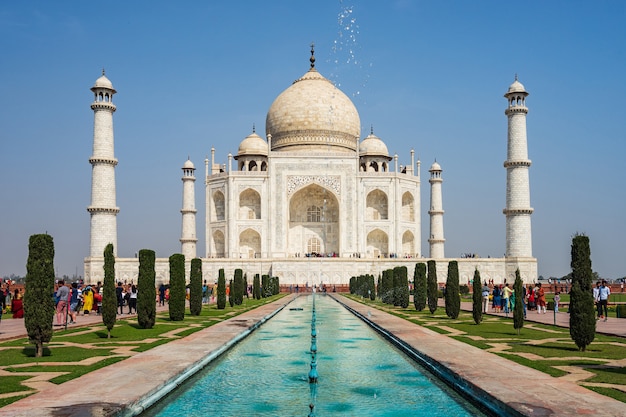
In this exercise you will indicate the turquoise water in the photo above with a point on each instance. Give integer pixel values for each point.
(360, 374)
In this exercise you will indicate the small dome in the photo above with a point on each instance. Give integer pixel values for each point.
(252, 145)
(372, 145)
(435, 167)
(188, 165)
(103, 82)
(516, 87)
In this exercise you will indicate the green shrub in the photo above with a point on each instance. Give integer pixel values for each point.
(221, 290)
(453, 296)
(177, 287)
(236, 289)
(432, 290)
(419, 286)
(146, 290)
(195, 287)
(109, 298)
(518, 308)
(477, 298)
(256, 287)
(38, 301)
(582, 321)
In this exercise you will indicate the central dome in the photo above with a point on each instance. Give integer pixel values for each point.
(313, 115)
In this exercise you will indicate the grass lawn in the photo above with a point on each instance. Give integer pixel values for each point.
(72, 346)
(557, 350)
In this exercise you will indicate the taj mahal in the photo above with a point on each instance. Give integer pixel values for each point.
(310, 201)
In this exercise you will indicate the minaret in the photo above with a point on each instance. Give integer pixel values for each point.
(518, 210)
(436, 213)
(188, 238)
(103, 208)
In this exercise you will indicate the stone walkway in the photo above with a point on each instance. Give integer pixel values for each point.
(126, 384)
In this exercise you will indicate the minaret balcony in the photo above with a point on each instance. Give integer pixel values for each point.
(516, 211)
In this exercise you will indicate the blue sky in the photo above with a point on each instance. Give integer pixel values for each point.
(428, 75)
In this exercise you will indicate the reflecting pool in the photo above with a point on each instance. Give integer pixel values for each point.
(360, 373)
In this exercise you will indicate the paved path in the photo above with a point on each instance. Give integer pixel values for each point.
(613, 326)
(11, 328)
(125, 384)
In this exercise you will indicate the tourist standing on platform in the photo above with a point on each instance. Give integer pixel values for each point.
(62, 295)
(132, 301)
(485, 294)
(87, 300)
(73, 303)
(540, 296)
(497, 299)
(17, 308)
(557, 300)
(596, 298)
(120, 296)
(531, 298)
(205, 293)
(162, 294)
(603, 300)
(506, 298)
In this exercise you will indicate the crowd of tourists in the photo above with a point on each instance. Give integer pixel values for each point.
(503, 298)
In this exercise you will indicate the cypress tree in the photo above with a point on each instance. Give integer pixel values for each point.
(397, 283)
(403, 288)
(453, 296)
(221, 290)
(266, 291)
(518, 309)
(372, 288)
(477, 298)
(256, 287)
(109, 298)
(387, 287)
(236, 290)
(38, 296)
(195, 287)
(231, 299)
(146, 290)
(419, 286)
(431, 288)
(177, 287)
(582, 320)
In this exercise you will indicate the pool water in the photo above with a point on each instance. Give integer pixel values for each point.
(360, 374)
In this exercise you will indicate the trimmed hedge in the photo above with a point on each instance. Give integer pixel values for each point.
(38, 301)
(221, 290)
(177, 287)
(146, 290)
(195, 287)
(109, 298)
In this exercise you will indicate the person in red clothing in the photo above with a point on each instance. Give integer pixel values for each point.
(17, 307)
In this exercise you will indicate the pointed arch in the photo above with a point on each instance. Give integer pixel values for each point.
(408, 244)
(377, 243)
(314, 214)
(250, 244)
(249, 205)
(376, 206)
(218, 210)
(408, 207)
(219, 244)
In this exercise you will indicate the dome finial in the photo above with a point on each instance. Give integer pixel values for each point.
(516, 76)
(253, 128)
(371, 129)
(312, 59)
(102, 70)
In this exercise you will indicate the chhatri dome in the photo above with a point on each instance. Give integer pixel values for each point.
(516, 87)
(104, 82)
(252, 144)
(372, 145)
(313, 115)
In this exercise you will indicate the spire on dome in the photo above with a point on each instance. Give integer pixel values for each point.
(371, 129)
(253, 128)
(102, 70)
(312, 59)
